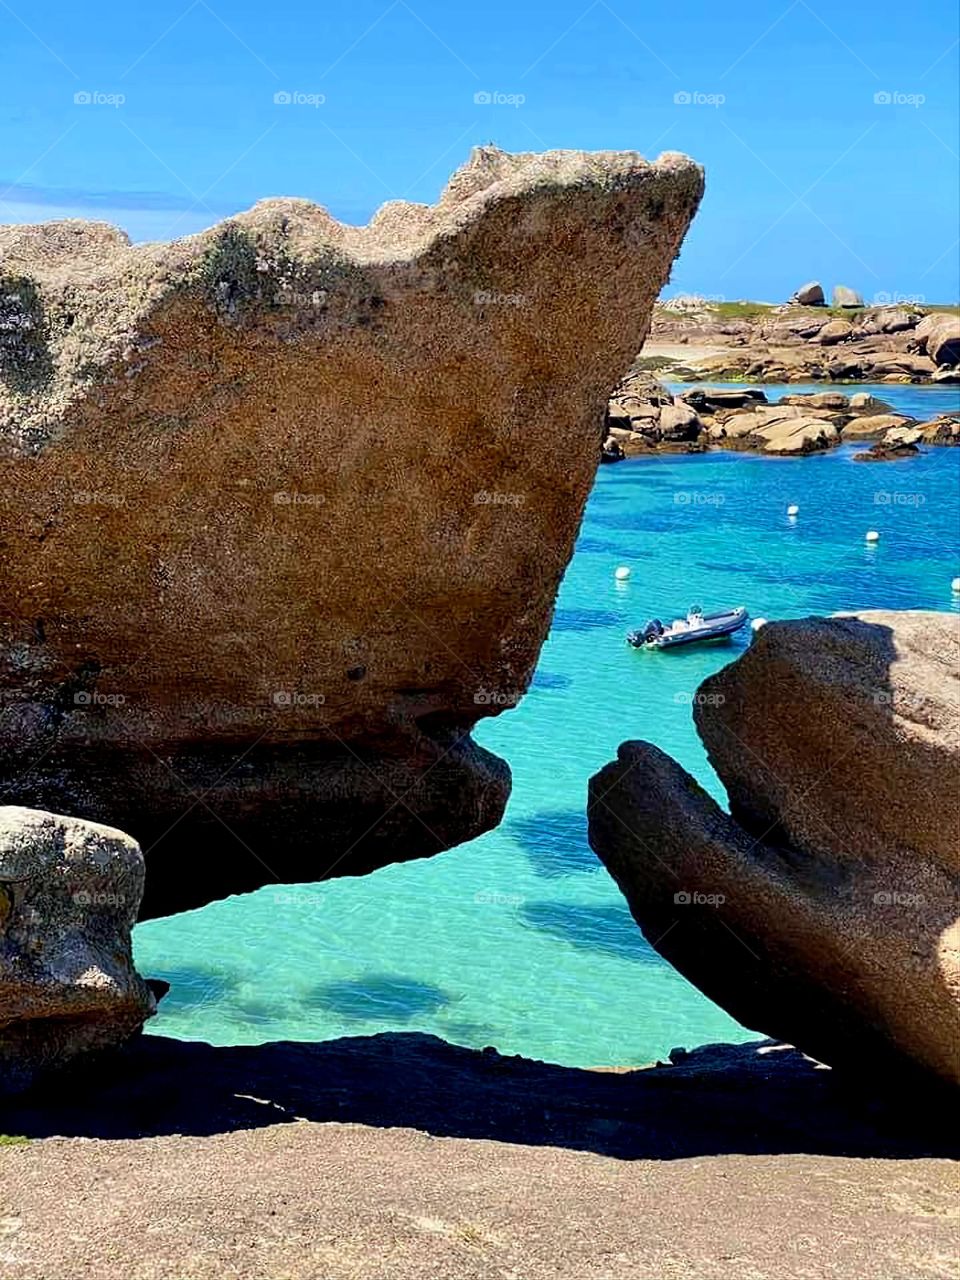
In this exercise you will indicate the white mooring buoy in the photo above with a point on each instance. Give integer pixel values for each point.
(622, 574)
(792, 509)
(757, 623)
(955, 586)
(872, 535)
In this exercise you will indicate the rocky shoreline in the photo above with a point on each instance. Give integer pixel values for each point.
(692, 339)
(644, 417)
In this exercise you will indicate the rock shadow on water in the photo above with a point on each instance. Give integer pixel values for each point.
(551, 681)
(378, 997)
(555, 843)
(192, 986)
(646, 477)
(645, 522)
(598, 547)
(580, 620)
(609, 930)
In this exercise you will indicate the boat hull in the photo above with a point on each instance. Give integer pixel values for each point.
(713, 626)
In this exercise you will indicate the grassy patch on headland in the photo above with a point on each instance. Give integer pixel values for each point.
(739, 310)
(652, 364)
(13, 1140)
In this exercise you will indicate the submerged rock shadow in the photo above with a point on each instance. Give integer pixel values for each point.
(585, 619)
(609, 930)
(555, 843)
(379, 997)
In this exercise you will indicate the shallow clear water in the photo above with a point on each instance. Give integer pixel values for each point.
(520, 939)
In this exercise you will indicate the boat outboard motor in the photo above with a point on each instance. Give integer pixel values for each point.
(650, 632)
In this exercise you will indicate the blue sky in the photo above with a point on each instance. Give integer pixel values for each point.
(829, 132)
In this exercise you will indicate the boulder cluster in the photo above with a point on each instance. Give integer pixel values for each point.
(811, 295)
(644, 416)
(808, 342)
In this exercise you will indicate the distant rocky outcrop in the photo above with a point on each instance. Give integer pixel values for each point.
(69, 894)
(272, 527)
(797, 342)
(824, 910)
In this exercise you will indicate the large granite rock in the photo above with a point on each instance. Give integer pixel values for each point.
(779, 429)
(875, 424)
(824, 910)
(810, 294)
(833, 332)
(273, 535)
(844, 296)
(69, 893)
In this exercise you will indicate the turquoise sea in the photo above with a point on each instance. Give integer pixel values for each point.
(520, 939)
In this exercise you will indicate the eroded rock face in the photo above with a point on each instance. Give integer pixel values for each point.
(69, 893)
(274, 538)
(824, 911)
(939, 336)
